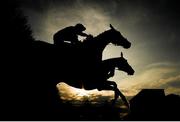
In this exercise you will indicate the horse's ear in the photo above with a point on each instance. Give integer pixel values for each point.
(112, 27)
(121, 54)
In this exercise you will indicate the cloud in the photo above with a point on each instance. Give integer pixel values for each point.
(69, 93)
(162, 65)
(158, 75)
(175, 83)
(58, 16)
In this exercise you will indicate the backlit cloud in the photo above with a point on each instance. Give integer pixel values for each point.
(154, 76)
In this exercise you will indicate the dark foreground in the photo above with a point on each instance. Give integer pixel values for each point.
(88, 111)
(148, 104)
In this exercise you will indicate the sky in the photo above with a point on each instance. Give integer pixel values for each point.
(152, 26)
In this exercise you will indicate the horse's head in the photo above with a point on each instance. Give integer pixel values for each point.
(123, 65)
(118, 39)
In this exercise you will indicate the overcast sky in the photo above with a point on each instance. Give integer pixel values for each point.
(152, 26)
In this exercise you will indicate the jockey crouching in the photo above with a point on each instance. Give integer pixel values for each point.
(70, 35)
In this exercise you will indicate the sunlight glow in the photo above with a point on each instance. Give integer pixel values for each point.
(67, 92)
(81, 92)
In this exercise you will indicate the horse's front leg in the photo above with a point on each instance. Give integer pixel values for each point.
(118, 93)
(123, 98)
(109, 85)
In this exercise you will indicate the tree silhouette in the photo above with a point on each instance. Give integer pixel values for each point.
(15, 77)
(17, 29)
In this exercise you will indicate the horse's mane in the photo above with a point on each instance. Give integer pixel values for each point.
(116, 58)
(96, 37)
(102, 33)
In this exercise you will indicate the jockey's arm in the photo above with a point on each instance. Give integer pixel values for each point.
(74, 41)
(83, 34)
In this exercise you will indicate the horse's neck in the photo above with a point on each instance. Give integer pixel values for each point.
(97, 44)
(102, 40)
(109, 64)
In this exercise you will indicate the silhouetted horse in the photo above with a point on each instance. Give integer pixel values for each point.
(95, 46)
(88, 55)
(74, 65)
(100, 79)
(109, 66)
(75, 62)
(90, 51)
(108, 70)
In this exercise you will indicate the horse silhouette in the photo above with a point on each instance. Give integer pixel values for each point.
(107, 70)
(76, 65)
(77, 59)
(110, 65)
(72, 62)
(96, 45)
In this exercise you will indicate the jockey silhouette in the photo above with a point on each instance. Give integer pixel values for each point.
(69, 34)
